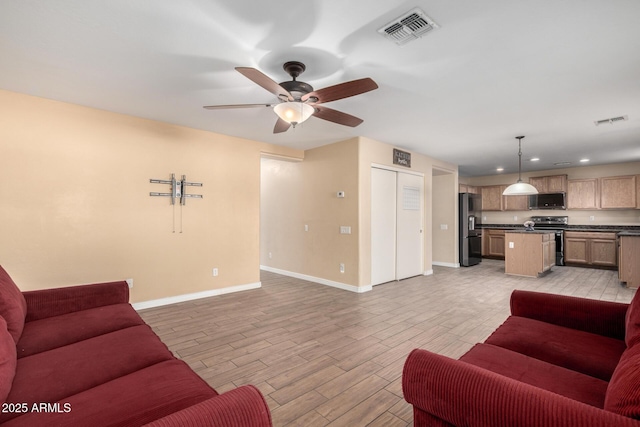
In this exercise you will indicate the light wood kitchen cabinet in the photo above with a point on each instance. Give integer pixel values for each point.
(465, 188)
(629, 271)
(492, 199)
(598, 249)
(493, 243)
(582, 193)
(516, 203)
(549, 184)
(618, 192)
(529, 253)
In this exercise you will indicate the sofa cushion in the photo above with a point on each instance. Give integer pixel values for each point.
(623, 393)
(632, 330)
(13, 307)
(568, 383)
(7, 360)
(584, 352)
(53, 332)
(74, 368)
(135, 399)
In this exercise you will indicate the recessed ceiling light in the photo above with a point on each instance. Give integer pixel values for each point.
(500, 169)
(535, 159)
(584, 160)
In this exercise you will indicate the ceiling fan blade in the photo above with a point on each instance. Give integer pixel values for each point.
(281, 126)
(336, 116)
(223, 107)
(340, 91)
(261, 79)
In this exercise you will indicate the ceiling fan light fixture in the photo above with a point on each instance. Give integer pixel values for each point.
(520, 188)
(294, 112)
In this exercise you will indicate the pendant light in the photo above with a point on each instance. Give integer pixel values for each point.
(520, 188)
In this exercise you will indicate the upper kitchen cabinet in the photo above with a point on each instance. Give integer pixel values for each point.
(582, 193)
(516, 203)
(549, 184)
(465, 188)
(618, 192)
(492, 197)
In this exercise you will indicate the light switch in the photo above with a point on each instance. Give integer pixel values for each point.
(511, 245)
(345, 229)
(444, 227)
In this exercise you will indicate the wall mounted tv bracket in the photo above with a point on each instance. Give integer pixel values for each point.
(178, 191)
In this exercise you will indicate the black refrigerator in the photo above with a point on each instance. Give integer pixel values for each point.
(470, 235)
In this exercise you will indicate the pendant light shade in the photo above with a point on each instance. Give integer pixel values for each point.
(520, 188)
(294, 112)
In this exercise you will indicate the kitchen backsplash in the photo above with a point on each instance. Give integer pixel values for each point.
(576, 217)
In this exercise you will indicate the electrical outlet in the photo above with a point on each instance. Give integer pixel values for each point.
(592, 218)
(306, 227)
(515, 217)
(345, 229)
(270, 256)
(444, 226)
(341, 268)
(511, 245)
(215, 272)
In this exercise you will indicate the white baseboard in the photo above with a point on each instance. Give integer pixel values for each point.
(343, 286)
(196, 295)
(428, 273)
(446, 264)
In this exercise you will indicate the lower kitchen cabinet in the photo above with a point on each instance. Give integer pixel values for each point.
(629, 271)
(529, 254)
(598, 249)
(493, 243)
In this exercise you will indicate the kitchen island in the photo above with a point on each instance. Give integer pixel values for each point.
(629, 268)
(529, 253)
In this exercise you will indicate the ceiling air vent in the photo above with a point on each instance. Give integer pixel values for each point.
(611, 120)
(410, 26)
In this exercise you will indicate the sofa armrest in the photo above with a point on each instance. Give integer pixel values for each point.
(240, 407)
(55, 302)
(461, 394)
(589, 315)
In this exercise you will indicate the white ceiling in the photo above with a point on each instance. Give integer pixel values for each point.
(494, 69)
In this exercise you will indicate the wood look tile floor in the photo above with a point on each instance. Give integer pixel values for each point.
(324, 356)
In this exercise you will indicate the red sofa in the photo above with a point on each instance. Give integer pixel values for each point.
(556, 361)
(82, 356)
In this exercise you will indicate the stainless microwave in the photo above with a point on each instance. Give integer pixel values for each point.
(548, 201)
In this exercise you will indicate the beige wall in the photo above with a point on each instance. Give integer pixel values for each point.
(305, 193)
(75, 205)
(445, 215)
(576, 217)
(295, 194)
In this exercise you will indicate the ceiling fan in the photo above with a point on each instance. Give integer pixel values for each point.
(297, 101)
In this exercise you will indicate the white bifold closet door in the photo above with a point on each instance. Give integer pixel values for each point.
(397, 201)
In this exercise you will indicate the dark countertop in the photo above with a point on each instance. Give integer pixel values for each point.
(629, 233)
(523, 231)
(610, 228)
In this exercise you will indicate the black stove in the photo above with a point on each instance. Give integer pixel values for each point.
(550, 222)
(558, 225)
